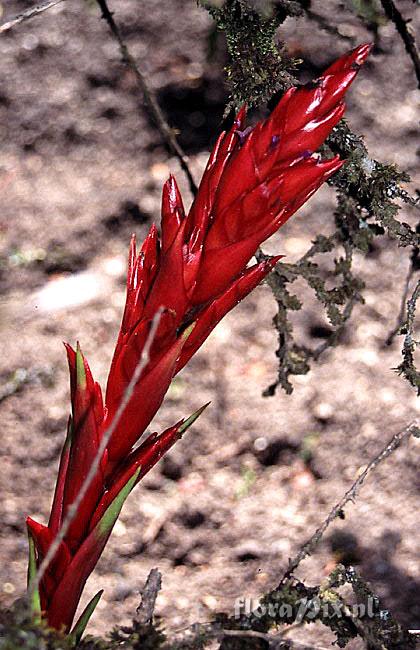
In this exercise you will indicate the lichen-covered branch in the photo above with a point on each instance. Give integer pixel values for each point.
(257, 66)
(369, 192)
(407, 367)
(414, 267)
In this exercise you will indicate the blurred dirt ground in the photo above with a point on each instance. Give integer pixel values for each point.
(81, 167)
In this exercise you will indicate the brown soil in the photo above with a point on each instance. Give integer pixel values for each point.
(81, 167)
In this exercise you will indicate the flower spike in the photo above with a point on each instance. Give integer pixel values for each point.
(193, 274)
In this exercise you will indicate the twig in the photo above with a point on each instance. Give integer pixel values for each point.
(401, 314)
(294, 359)
(407, 367)
(29, 13)
(275, 641)
(149, 594)
(405, 32)
(350, 495)
(252, 634)
(323, 23)
(335, 334)
(73, 508)
(165, 130)
(212, 630)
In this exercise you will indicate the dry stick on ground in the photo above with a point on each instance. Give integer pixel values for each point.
(73, 508)
(350, 495)
(406, 33)
(274, 641)
(29, 13)
(401, 314)
(149, 594)
(165, 130)
(212, 629)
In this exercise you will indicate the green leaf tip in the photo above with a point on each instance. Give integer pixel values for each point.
(85, 616)
(110, 515)
(190, 421)
(80, 368)
(34, 598)
(185, 334)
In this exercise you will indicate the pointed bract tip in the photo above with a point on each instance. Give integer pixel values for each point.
(273, 260)
(110, 516)
(80, 368)
(32, 525)
(69, 348)
(33, 591)
(133, 244)
(190, 421)
(362, 52)
(334, 164)
(79, 629)
(241, 116)
(185, 334)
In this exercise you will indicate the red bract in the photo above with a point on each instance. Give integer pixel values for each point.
(196, 271)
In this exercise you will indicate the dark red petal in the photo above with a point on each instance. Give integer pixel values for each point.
(298, 125)
(320, 97)
(218, 308)
(57, 504)
(168, 288)
(43, 538)
(145, 401)
(355, 58)
(221, 266)
(142, 270)
(172, 212)
(145, 456)
(199, 216)
(306, 175)
(85, 438)
(309, 138)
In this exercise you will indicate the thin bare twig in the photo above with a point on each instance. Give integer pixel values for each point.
(335, 334)
(274, 640)
(324, 24)
(406, 33)
(350, 495)
(165, 130)
(29, 13)
(401, 314)
(73, 508)
(149, 594)
(212, 630)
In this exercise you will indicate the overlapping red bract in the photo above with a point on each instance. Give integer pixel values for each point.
(197, 271)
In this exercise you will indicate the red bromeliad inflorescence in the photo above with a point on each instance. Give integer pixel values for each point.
(196, 271)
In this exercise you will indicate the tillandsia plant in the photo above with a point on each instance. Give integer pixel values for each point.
(192, 275)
